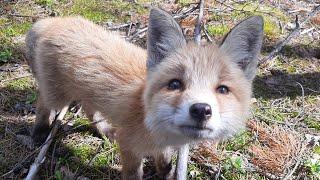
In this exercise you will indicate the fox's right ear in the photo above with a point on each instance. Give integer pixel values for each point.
(164, 36)
(243, 44)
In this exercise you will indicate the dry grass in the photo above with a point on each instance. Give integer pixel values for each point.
(277, 149)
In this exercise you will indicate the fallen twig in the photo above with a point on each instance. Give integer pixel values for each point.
(186, 12)
(293, 33)
(207, 34)
(197, 31)
(119, 26)
(34, 168)
(137, 34)
(22, 163)
(182, 162)
(20, 15)
(143, 30)
(302, 112)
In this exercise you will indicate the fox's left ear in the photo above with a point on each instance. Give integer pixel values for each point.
(243, 44)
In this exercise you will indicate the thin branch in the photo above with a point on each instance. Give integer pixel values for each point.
(143, 30)
(21, 164)
(197, 31)
(182, 164)
(34, 168)
(119, 26)
(293, 33)
(186, 12)
(207, 34)
(302, 111)
(137, 34)
(20, 15)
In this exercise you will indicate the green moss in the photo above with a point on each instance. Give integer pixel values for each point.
(20, 84)
(184, 2)
(291, 69)
(103, 11)
(218, 30)
(271, 114)
(81, 122)
(271, 29)
(82, 151)
(48, 3)
(8, 31)
(108, 155)
(103, 159)
(316, 150)
(16, 29)
(239, 142)
(312, 123)
(91, 9)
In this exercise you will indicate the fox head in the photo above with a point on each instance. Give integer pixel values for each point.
(198, 92)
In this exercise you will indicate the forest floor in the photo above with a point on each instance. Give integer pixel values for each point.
(283, 132)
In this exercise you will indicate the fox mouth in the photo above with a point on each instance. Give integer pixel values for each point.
(195, 131)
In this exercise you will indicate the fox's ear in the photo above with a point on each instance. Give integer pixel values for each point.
(164, 36)
(243, 44)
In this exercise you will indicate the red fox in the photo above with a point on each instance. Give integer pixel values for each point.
(172, 94)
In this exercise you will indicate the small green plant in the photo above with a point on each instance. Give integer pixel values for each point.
(47, 3)
(83, 152)
(31, 98)
(312, 123)
(233, 167)
(239, 142)
(84, 122)
(237, 163)
(185, 2)
(5, 55)
(218, 30)
(58, 175)
(21, 84)
(314, 166)
(316, 150)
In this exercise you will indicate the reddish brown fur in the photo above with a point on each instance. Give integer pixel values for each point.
(76, 60)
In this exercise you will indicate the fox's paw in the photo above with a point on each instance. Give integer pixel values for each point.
(40, 134)
(164, 165)
(107, 131)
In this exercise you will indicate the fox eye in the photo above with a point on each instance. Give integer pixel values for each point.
(223, 89)
(174, 84)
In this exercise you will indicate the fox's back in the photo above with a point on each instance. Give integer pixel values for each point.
(73, 58)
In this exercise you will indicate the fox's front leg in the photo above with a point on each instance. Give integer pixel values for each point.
(102, 127)
(164, 164)
(131, 165)
(44, 118)
(131, 162)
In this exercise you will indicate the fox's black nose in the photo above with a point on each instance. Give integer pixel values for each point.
(200, 111)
